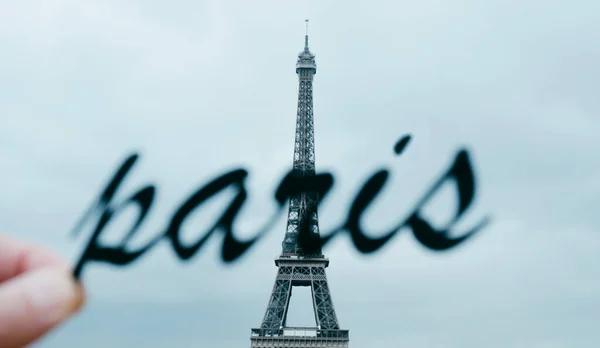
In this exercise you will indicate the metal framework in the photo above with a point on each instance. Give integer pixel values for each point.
(297, 266)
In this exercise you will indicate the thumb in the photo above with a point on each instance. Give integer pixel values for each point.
(35, 302)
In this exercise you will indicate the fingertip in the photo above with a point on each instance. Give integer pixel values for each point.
(80, 296)
(35, 302)
(18, 257)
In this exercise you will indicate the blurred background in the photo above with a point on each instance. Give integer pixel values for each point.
(202, 87)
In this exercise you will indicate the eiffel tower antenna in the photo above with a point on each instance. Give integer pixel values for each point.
(306, 36)
(301, 262)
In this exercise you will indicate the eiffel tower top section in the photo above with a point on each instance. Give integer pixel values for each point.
(302, 234)
(306, 60)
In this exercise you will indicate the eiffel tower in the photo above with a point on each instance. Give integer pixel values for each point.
(299, 264)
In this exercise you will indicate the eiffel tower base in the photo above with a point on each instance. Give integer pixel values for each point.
(300, 271)
(300, 337)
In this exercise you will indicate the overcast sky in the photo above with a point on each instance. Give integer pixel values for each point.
(200, 87)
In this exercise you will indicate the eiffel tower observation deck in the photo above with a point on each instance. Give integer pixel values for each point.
(299, 264)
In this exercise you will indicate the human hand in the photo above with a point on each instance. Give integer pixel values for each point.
(37, 293)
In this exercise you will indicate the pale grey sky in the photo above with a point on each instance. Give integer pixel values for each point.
(199, 87)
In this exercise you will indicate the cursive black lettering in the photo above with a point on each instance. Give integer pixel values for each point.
(232, 247)
(94, 251)
(316, 187)
(462, 173)
(363, 199)
(401, 144)
(365, 196)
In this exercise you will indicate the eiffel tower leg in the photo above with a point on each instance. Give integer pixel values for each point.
(323, 305)
(276, 313)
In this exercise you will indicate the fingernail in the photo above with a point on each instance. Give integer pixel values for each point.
(52, 294)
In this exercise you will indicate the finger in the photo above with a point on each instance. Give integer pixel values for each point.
(35, 302)
(17, 257)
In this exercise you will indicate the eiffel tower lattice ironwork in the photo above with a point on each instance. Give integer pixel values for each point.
(297, 265)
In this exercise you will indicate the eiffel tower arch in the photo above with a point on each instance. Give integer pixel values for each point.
(298, 264)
